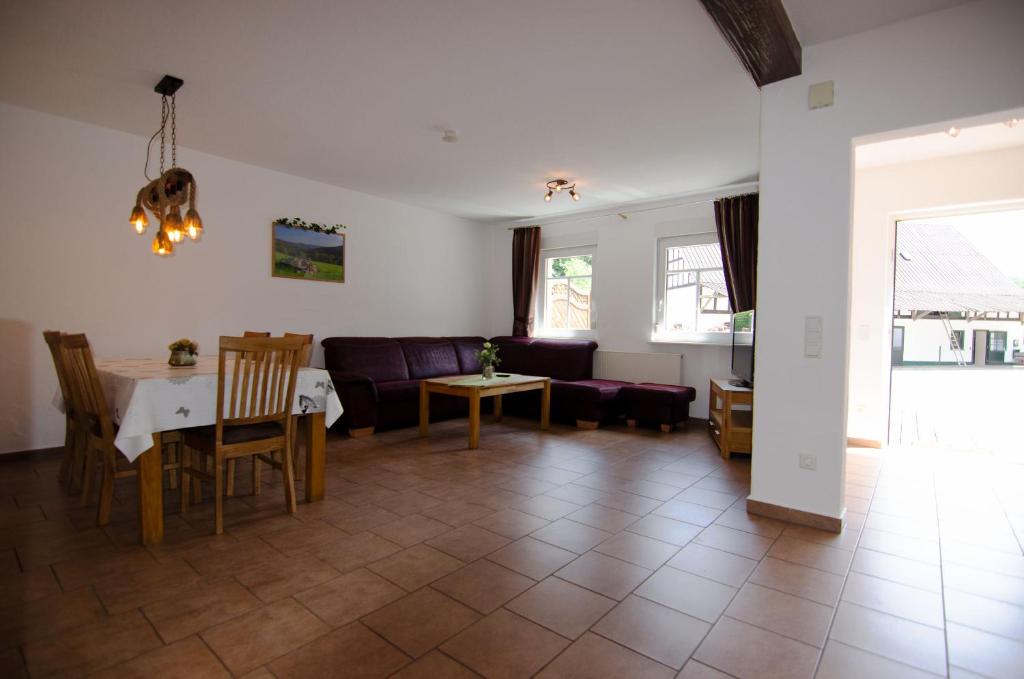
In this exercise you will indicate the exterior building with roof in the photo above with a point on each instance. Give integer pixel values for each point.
(952, 305)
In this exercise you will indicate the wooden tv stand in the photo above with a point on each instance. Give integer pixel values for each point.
(731, 429)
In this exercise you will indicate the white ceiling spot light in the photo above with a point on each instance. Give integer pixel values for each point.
(449, 136)
(953, 131)
(557, 186)
(1013, 122)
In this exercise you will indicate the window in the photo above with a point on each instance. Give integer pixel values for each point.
(692, 301)
(566, 299)
(956, 340)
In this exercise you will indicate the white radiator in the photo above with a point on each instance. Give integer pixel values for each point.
(638, 367)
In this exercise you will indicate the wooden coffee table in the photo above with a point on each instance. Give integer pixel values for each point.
(475, 387)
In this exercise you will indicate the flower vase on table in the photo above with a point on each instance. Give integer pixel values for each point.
(184, 353)
(487, 357)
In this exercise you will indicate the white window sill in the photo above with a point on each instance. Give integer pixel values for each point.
(708, 341)
(553, 335)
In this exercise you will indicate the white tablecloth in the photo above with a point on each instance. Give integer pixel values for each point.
(145, 395)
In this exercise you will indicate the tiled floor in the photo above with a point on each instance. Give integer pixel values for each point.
(568, 554)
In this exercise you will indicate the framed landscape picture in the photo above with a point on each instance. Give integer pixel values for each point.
(308, 251)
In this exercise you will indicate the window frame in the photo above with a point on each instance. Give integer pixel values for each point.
(661, 293)
(540, 326)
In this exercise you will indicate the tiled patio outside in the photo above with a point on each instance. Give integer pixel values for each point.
(587, 554)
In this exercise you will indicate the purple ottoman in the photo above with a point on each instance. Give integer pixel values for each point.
(662, 404)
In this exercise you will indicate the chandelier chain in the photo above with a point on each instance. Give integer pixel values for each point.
(163, 130)
(174, 131)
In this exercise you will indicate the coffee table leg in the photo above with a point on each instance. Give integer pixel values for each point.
(474, 420)
(545, 406)
(424, 409)
(151, 493)
(497, 408)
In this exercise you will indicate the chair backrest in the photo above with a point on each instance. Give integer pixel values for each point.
(87, 396)
(307, 351)
(255, 333)
(52, 338)
(262, 380)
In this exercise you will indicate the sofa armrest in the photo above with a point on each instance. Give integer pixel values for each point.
(358, 396)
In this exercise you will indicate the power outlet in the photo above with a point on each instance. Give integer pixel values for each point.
(809, 462)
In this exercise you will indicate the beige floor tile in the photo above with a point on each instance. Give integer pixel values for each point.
(812, 554)
(905, 546)
(91, 647)
(354, 520)
(304, 537)
(985, 614)
(891, 597)
(511, 523)
(844, 540)
(123, 592)
(665, 529)
(782, 613)
(457, 512)
(258, 637)
(505, 646)
(629, 502)
(895, 568)
(983, 559)
(350, 553)
(984, 653)
(660, 633)
(729, 569)
(277, 579)
(750, 523)
(593, 656)
(420, 621)
(189, 658)
(561, 606)
(984, 583)
(840, 661)
(604, 574)
(570, 535)
(23, 621)
(750, 652)
(735, 541)
(547, 507)
(415, 567)
(353, 650)
(708, 498)
(102, 562)
(689, 512)
(605, 518)
(411, 530)
(349, 597)
(637, 549)
(688, 593)
(483, 585)
(468, 543)
(532, 558)
(211, 602)
(435, 665)
(908, 642)
(696, 670)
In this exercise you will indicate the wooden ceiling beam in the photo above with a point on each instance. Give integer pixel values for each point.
(761, 35)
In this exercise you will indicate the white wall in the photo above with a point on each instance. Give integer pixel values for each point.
(964, 61)
(926, 341)
(881, 194)
(71, 262)
(624, 273)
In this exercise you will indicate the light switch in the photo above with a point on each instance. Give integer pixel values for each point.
(821, 95)
(812, 336)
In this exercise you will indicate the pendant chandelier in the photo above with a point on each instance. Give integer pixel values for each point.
(173, 190)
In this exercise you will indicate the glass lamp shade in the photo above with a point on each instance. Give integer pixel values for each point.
(193, 225)
(138, 219)
(162, 244)
(174, 227)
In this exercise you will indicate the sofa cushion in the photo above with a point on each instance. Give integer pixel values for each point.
(465, 352)
(563, 359)
(515, 355)
(661, 394)
(429, 357)
(399, 390)
(379, 358)
(597, 391)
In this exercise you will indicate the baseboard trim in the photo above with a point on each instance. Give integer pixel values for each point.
(854, 442)
(797, 516)
(19, 455)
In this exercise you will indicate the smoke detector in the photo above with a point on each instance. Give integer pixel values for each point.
(449, 136)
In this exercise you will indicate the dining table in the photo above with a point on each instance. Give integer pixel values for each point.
(147, 397)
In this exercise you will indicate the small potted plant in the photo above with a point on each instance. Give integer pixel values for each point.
(487, 357)
(184, 352)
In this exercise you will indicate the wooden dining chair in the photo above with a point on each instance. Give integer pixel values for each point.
(255, 333)
(71, 463)
(254, 407)
(93, 423)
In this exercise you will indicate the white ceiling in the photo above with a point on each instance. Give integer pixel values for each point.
(633, 100)
(817, 21)
(937, 144)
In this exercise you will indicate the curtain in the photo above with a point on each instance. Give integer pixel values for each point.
(736, 219)
(525, 263)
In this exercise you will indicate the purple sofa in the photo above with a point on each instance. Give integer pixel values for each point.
(377, 378)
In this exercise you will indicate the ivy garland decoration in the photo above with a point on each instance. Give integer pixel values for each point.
(296, 223)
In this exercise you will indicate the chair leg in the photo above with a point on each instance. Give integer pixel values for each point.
(78, 462)
(186, 477)
(69, 452)
(218, 496)
(106, 489)
(297, 459)
(288, 473)
(173, 458)
(88, 476)
(199, 461)
(231, 478)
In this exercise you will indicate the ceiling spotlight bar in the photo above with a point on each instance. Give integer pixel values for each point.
(559, 185)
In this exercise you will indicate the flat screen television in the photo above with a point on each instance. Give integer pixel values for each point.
(743, 348)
